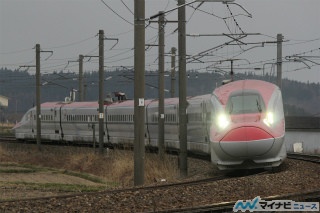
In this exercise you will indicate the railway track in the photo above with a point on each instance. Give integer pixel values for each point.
(192, 196)
(7, 139)
(135, 191)
(228, 206)
(304, 157)
(141, 194)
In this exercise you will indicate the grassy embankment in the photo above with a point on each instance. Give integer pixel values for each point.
(5, 129)
(113, 169)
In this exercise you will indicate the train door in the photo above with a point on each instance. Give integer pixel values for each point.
(207, 109)
(171, 125)
(56, 123)
(151, 121)
(194, 120)
(32, 123)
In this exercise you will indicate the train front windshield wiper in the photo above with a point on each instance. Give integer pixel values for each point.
(258, 105)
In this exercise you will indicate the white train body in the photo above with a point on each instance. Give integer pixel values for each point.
(74, 122)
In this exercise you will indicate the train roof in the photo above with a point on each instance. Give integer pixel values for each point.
(167, 101)
(265, 89)
(130, 103)
(70, 104)
(126, 103)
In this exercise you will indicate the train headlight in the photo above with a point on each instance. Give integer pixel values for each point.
(222, 121)
(268, 120)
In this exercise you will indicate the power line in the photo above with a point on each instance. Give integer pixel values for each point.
(16, 51)
(71, 44)
(127, 7)
(116, 13)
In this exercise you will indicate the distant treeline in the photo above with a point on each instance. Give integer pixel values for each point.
(300, 99)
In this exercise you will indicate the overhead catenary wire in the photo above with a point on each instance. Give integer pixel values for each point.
(117, 14)
(71, 44)
(127, 7)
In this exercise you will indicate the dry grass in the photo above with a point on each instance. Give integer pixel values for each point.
(115, 166)
(5, 129)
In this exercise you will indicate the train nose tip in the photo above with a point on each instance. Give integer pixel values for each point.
(247, 142)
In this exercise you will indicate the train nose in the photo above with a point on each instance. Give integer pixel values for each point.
(246, 142)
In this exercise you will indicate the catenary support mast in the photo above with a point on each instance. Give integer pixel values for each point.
(139, 93)
(161, 115)
(182, 89)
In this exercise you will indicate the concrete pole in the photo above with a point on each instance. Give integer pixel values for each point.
(173, 70)
(38, 95)
(183, 157)
(161, 115)
(80, 77)
(139, 93)
(279, 60)
(101, 95)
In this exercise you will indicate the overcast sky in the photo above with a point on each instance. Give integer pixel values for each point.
(69, 28)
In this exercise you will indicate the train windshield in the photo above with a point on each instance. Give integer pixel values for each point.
(245, 103)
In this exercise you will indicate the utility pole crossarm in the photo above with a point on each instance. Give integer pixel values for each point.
(90, 56)
(223, 34)
(112, 39)
(186, 4)
(26, 66)
(47, 51)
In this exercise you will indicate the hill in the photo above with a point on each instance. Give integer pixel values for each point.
(300, 99)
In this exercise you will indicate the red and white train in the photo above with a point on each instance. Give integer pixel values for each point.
(241, 124)
(249, 127)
